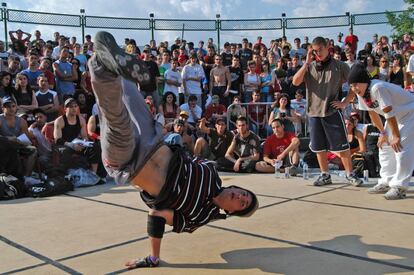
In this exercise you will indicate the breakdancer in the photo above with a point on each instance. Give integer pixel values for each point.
(181, 192)
(396, 142)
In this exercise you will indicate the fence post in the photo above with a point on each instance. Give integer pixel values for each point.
(152, 25)
(4, 14)
(83, 23)
(284, 24)
(352, 21)
(218, 27)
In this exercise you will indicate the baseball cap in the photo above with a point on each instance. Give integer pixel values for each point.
(179, 122)
(69, 101)
(184, 113)
(8, 99)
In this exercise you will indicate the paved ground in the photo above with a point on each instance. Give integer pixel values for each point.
(299, 229)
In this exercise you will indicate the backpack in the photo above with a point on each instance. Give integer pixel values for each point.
(358, 164)
(11, 187)
(53, 186)
(311, 159)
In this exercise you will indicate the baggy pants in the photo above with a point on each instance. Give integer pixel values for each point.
(129, 133)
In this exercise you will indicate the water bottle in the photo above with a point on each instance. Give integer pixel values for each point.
(366, 176)
(277, 166)
(287, 175)
(305, 172)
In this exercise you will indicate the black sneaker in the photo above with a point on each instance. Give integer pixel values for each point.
(323, 179)
(354, 180)
(117, 61)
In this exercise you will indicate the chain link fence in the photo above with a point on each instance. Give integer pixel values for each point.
(152, 24)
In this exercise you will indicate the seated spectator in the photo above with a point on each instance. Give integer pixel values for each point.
(396, 74)
(85, 108)
(235, 111)
(257, 115)
(169, 108)
(33, 71)
(13, 127)
(280, 146)
(18, 41)
(47, 99)
(24, 95)
(372, 67)
(71, 126)
(299, 107)
(44, 147)
(284, 112)
(193, 110)
(219, 140)
(243, 152)
(215, 111)
(6, 88)
(179, 134)
(384, 69)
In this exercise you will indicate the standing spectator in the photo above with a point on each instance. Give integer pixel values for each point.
(326, 123)
(192, 74)
(220, 81)
(65, 75)
(151, 87)
(297, 50)
(90, 44)
(200, 48)
(352, 39)
(226, 55)
(33, 71)
(251, 82)
(396, 71)
(259, 44)
(243, 152)
(176, 45)
(406, 42)
(266, 87)
(306, 43)
(362, 54)
(38, 43)
(245, 54)
(173, 78)
(46, 67)
(18, 42)
(47, 99)
(257, 115)
(236, 74)
(280, 146)
(58, 48)
(80, 56)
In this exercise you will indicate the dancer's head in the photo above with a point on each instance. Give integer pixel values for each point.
(359, 79)
(238, 201)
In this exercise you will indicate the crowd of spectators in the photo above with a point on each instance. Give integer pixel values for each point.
(236, 106)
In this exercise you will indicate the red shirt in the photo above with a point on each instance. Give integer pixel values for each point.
(274, 146)
(218, 109)
(256, 112)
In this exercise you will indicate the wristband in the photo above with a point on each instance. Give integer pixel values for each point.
(383, 133)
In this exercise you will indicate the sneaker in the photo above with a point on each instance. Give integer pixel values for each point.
(395, 193)
(294, 171)
(379, 188)
(117, 61)
(354, 180)
(323, 179)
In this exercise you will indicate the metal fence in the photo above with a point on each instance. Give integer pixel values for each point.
(152, 24)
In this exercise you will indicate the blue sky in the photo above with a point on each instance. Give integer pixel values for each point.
(207, 9)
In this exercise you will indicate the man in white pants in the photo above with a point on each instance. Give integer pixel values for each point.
(396, 142)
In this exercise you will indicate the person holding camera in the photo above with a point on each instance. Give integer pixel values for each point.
(324, 77)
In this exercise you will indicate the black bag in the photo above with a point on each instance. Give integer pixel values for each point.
(11, 187)
(358, 164)
(311, 159)
(51, 187)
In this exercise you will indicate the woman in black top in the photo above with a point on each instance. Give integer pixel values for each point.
(24, 94)
(396, 71)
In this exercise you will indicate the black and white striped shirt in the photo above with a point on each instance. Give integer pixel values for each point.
(189, 190)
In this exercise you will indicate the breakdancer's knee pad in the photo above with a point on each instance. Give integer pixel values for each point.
(155, 226)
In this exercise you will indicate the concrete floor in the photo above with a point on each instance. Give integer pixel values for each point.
(299, 229)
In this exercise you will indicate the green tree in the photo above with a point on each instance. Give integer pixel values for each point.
(402, 22)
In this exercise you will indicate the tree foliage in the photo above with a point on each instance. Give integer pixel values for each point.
(402, 22)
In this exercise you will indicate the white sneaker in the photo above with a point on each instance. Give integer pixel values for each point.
(395, 193)
(379, 188)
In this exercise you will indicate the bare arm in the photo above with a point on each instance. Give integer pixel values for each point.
(300, 75)
(361, 141)
(57, 130)
(203, 127)
(230, 151)
(83, 133)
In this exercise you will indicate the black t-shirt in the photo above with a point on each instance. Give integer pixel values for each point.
(154, 72)
(219, 144)
(245, 55)
(236, 75)
(372, 138)
(227, 58)
(246, 146)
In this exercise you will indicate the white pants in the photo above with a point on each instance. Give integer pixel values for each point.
(397, 168)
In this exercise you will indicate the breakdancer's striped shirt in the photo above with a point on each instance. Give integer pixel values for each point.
(189, 190)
